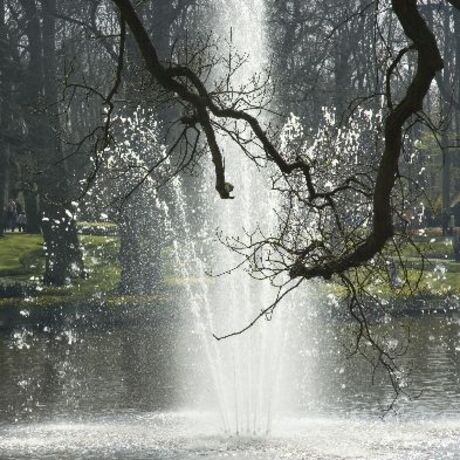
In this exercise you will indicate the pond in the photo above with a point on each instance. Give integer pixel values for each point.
(82, 390)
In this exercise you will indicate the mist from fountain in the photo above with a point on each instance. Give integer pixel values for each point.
(244, 372)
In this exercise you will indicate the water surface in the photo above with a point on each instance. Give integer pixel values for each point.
(72, 392)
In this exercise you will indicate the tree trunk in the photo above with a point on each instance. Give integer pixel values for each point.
(62, 250)
(63, 257)
(140, 225)
(445, 148)
(3, 178)
(4, 104)
(32, 211)
(140, 247)
(456, 92)
(62, 247)
(31, 96)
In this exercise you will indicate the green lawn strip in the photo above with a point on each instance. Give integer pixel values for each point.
(101, 265)
(439, 284)
(20, 254)
(21, 260)
(100, 255)
(430, 284)
(435, 247)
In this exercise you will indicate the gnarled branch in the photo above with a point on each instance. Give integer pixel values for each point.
(190, 89)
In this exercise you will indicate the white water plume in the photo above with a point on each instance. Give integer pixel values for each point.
(243, 371)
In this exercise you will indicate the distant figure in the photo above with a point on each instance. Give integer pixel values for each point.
(21, 221)
(11, 215)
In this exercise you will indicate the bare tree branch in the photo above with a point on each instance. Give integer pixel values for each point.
(189, 88)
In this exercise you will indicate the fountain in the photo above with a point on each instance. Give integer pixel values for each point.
(244, 371)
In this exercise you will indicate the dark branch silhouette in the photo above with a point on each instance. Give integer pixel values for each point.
(183, 82)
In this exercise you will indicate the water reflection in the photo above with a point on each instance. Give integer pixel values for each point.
(80, 370)
(86, 370)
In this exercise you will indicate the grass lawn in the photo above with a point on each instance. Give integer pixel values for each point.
(21, 255)
(433, 247)
(22, 263)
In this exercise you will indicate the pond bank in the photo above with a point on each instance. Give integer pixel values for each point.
(25, 301)
(116, 310)
(94, 313)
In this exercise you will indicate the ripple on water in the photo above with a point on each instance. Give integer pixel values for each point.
(193, 436)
